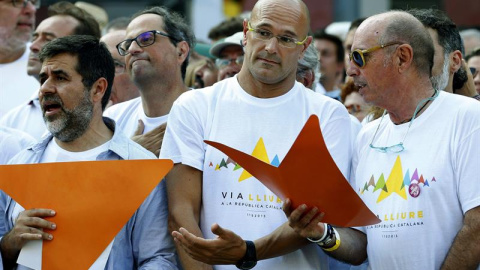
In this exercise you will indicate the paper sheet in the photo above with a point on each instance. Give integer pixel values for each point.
(93, 200)
(308, 175)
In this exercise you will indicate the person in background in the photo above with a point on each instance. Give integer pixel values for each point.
(473, 61)
(229, 55)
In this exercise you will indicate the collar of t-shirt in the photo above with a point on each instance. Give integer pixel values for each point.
(152, 122)
(54, 153)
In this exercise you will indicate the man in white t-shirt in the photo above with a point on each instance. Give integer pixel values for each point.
(64, 19)
(76, 76)
(416, 167)
(156, 50)
(17, 19)
(260, 111)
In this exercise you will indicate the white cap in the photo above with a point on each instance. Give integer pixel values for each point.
(234, 39)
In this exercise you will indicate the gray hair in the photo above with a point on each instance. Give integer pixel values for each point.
(309, 60)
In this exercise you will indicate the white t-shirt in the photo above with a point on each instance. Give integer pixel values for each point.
(127, 114)
(27, 117)
(264, 128)
(16, 86)
(54, 153)
(422, 193)
(12, 141)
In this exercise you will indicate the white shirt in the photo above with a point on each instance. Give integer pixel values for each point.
(16, 86)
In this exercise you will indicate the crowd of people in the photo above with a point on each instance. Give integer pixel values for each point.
(397, 100)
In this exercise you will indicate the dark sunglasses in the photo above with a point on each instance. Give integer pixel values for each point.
(358, 56)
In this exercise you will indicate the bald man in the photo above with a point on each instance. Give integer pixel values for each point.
(262, 108)
(427, 149)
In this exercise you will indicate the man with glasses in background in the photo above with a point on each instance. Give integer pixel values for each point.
(416, 168)
(156, 50)
(123, 89)
(64, 19)
(229, 54)
(260, 111)
(17, 20)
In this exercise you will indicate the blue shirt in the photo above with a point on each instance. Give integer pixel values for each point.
(144, 242)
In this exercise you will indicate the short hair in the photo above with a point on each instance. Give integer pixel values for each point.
(87, 24)
(356, 23)
(335, 40)
(448, 35)
(404, 29)
(176, 27)
(309, 60)
(120, 23)
(94, 61)
(226, 28)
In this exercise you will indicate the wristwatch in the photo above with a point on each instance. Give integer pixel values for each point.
(249, 260)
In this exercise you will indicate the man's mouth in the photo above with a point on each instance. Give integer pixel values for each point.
(50, 108)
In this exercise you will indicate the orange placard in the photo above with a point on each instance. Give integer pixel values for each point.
(308, 175)
(93, 200)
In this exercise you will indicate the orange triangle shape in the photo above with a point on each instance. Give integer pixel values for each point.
(93, 200)
(308, 175)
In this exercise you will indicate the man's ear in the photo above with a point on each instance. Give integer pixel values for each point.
(98, 90)
(182, 51)
(404, 55)
(455, 61)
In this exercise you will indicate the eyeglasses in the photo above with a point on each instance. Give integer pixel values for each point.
(474, 72)
(119, 67)
(223, 62)
(23, 3)
(284, 41)
(397, 148)
(145, 39)
(358, 56)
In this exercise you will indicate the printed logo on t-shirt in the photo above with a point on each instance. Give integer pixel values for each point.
(256, 205)
(260, 152)
(398, 185)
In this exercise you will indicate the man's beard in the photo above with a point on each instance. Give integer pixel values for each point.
(69, 125)
(440, 81)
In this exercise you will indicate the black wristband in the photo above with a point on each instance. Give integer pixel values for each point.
(249, 260)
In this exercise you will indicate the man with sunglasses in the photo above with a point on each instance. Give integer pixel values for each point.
(473, 61)
(261, 111)
(17, 20)
(64, 19)
(156, 50)
(416, 167)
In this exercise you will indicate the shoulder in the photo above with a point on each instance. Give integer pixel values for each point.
(121, 109)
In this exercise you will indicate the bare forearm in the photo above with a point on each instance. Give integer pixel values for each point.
(9, 256)
(280, 242)
(353, 246)
(465, 250)
(174, 224)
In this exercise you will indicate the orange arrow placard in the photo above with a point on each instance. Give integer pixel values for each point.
(308, 175)
(93, 200)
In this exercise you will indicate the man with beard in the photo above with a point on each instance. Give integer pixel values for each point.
(64, 19)
(17, 19)
(76, 77)
(450, 72)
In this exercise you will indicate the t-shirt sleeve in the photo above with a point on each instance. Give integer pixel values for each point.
(467, 162)
(183, 140)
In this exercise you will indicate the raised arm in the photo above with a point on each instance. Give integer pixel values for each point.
(184, 191)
